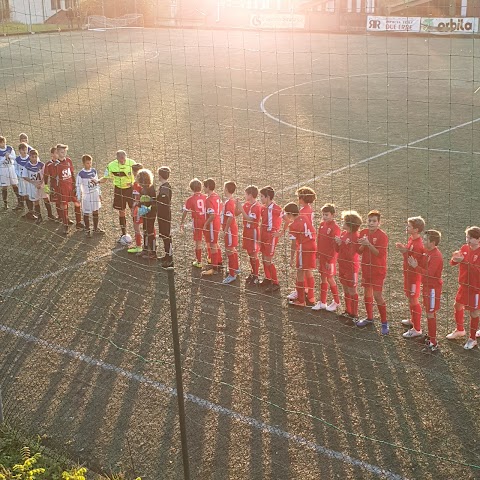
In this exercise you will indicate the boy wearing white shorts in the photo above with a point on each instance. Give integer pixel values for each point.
(33, 174)
(8, 176)
(88, 192)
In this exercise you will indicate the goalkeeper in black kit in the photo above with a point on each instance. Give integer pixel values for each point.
(164, 215)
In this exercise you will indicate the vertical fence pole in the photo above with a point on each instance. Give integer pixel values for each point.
(178, 371)
(1, 407)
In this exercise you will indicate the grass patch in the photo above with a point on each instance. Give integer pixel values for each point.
(21, 457)
(13, 28)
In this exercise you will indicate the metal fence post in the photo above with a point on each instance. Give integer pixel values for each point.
(178, 371)
(1, 407)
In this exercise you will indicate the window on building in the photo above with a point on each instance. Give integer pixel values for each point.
(56, 4)
(69, 4)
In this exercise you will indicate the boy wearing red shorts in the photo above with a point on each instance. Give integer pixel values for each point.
(251, 211)
(411, 278)
(230, 231)
(468, 294)
(299, 226)
(432, 284)
(327, 258)
(373, 248)
(212, 226)
(271, 222)
(348, 262)
(196, 205)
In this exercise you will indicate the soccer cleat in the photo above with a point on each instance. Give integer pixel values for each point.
(29, 216)
(430, 347)
(70, 222)
(167, 261)
(266, 282)
(296, 303)
(292, 295)
(319, 306)
(209, 261)
(197, 264)
(135, 250)
(407, 322)
(412, 333)
(477, 335)
(348, 319)
(53, 218)
(149, 255)
(456, 334)
(65, 230)
(310, 303)
(98, 231)
(39, 220)
(79, 226)
(229, 279)
(18, 208)
(385, 329)
(274, 287)
(5, 206)
(332, 307)
(365, 322)
(209, 272)
(470, 344)
(88, 233)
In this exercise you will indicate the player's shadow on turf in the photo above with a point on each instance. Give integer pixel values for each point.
(266, 367)
(109, 327)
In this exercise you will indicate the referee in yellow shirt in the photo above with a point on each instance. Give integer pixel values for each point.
(123, 179)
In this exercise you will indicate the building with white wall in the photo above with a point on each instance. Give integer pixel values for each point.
(37, 11)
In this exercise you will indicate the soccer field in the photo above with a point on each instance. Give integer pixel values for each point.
(390, 123)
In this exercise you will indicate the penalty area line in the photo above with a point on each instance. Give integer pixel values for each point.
(205, 404)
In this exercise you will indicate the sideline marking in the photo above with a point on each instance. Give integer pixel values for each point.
(252, 422)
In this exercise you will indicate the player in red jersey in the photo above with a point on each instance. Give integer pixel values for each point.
(432, 284)
(212, 226)
(306, 196)
(411, 278)
(196, 205)
(251, 211)
(327, 258)
(269, 233)
(373, 247)
(468, 294)
(50, 182)
(230, 231)
(348, 262)
(301, 228)
(64, 186)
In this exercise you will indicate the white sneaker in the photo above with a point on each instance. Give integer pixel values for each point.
(229, 279)
(456, 334)
(477, 334)
(407, 322)
(293, 295)
(319, 306)
(470, 344)
(412, 333)
(332, 307)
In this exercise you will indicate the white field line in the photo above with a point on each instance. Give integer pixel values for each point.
(56, 273)
(340, 77)
(382, 154)
(213, 407)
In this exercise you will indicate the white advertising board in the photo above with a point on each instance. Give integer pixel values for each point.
(277, 21)
(393, 24)
(450, 26)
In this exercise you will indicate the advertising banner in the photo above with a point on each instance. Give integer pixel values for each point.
(277, 21)
(393, 24)
(449, 26)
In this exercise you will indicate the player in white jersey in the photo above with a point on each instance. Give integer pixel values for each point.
(8, 176)
(88, 192)
(19, 164)
(33, 173)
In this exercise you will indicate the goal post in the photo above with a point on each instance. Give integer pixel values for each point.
(129, 20)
